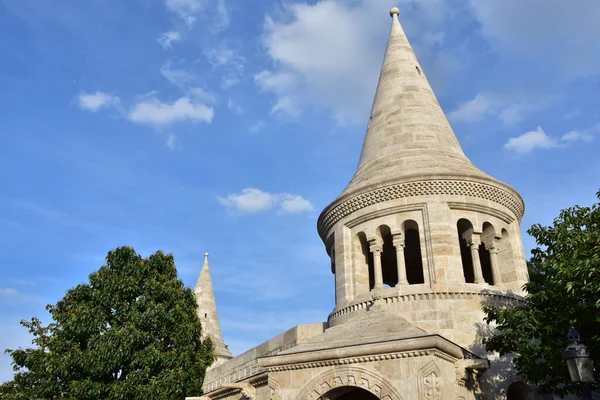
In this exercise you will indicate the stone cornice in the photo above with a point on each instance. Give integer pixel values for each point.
(221, 392)
(455, 205)
(365, 359)
(392, 296)
(363, 353)
(495, 191)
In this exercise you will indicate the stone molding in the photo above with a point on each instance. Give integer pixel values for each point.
(226, 390)
(363, 359)
(456, 205)
(352, 376)
(395, 297)
(449, 187)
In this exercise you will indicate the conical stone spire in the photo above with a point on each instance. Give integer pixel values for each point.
(410, 150)
(207, 311)
(408, 136)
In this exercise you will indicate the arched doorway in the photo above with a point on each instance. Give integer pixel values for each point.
(518, 391)
(348, 393)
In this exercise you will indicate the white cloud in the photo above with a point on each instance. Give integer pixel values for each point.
(257, 127)
(293, 204)
(473, 110)
(188, 82)
(221, 20)
(166, 39)
(154, 112)
(187, 10)
(8, 292)
(539, 139)
(249, 201)
(252, 200)
(328, 54)
(228, 62)
(576, 136)
(508, 108)
(234, 108)
(95, 101)
(535, 29)
(531, 140)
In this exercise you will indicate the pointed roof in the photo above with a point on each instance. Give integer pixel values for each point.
(408, 136)
(207, 311)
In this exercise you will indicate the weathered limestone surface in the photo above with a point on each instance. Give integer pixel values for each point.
(207, 311)
(419, 240)
(245, 366)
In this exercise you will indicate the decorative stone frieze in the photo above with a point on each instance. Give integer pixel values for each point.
(338, 210)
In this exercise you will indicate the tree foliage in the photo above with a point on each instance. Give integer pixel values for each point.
(564, 286)
(132, 332)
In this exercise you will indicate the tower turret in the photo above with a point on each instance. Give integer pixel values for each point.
(207, 311)
(419, 226)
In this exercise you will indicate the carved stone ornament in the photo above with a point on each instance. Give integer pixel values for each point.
(320, 386)
(430, 386)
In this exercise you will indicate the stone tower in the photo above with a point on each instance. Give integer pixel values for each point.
(419, 228)
(419, 240)
(207, 311)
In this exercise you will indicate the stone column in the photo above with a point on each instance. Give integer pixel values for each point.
(493, 249)
(400, 263)
(377, 271)
(474, 246)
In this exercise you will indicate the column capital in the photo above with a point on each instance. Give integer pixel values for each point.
(399, 244)
(375, 246)
(474, 241)
(493, 249)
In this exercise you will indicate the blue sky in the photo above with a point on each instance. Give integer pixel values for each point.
(222, 126)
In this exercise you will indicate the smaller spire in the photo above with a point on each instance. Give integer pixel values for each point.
(207, 311)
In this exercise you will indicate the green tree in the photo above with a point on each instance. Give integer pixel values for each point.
(132, 332)
(564, 286)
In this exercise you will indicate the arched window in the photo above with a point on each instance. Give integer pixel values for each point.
(388, 257)
(412, 253)
(332, 256)
(465, 231)
(484, 254)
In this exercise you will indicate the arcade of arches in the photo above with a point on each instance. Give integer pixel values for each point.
(480, 252)
(394, 259)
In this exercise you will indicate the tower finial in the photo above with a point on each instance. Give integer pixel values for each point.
(394, 11)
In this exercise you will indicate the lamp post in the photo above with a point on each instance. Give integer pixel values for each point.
(579, 362)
